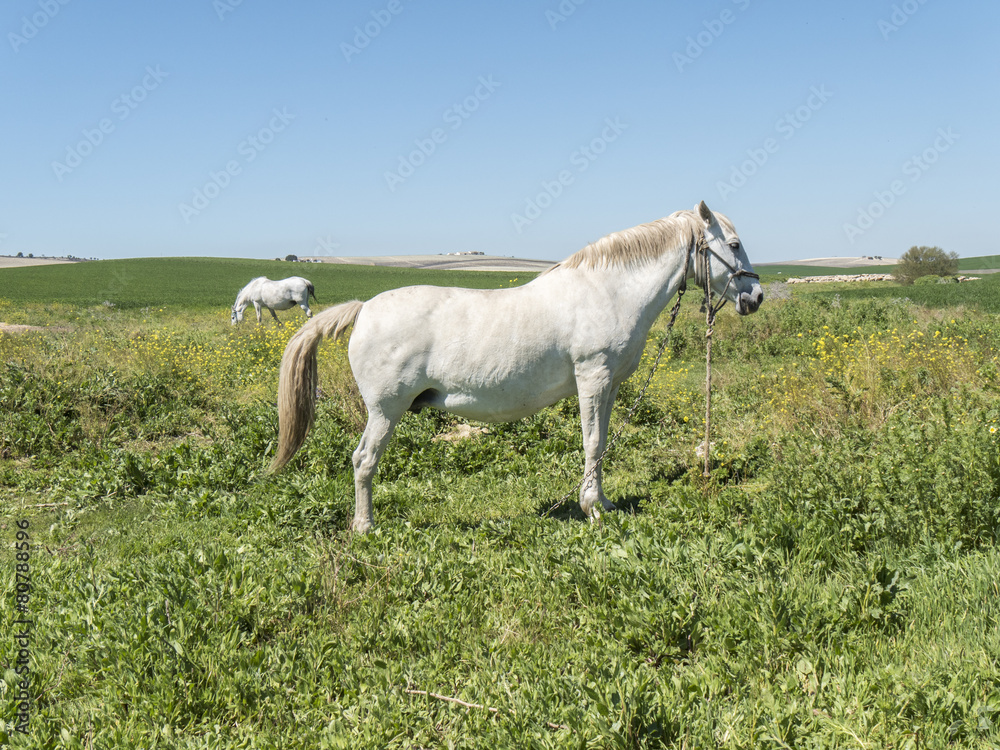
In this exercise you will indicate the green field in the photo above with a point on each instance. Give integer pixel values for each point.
(775, 271)
(984, 262)
(200, 283)
(832, 584)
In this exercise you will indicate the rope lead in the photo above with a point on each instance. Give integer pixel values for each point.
(710, 321)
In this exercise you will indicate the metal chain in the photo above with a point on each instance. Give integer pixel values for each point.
(628, 417)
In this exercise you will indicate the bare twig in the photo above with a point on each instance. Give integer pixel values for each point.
(460, 702)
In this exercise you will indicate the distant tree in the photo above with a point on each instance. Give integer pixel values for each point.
(20, 255)
(31, 255)
(291, 257)
(925, 261)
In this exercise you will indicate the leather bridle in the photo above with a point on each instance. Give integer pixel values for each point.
(699, 255)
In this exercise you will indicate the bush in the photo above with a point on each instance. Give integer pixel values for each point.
(925, 261)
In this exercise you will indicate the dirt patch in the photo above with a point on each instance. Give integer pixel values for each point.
(461, 432)
(7, 261)
(17, 328)
(852, 262)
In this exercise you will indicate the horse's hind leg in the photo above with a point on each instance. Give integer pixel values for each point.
(366, 456)
(597, 396)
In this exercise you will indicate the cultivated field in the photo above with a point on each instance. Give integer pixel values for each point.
(834, 583)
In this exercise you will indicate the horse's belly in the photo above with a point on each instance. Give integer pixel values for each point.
(501, 403)
(495, 379)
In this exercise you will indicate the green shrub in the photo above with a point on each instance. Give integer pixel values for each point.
(927, 477)
(921, 261)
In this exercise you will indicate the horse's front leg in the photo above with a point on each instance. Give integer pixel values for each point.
(597, 396)
(256, 307)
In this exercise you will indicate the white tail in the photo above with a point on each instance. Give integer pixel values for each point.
(298, 379)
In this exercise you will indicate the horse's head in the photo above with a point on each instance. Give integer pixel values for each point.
(721, 261)
(236, 316)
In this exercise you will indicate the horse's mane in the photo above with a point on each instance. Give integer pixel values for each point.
(639, 245)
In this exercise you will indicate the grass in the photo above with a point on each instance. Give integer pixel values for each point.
(202, 283)
(776, 271)
(832, 584)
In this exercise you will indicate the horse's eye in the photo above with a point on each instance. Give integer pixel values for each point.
(734, 246)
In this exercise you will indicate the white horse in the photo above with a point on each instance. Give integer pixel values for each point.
(274, 295)
(500, 355)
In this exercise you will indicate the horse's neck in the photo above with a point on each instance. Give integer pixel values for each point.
(654, 292)
(643, 290)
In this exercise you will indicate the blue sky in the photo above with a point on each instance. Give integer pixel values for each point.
(257, 129)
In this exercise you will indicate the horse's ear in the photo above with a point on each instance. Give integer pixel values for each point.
(706, 213)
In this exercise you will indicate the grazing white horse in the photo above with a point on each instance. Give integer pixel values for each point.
(499, 355)
(274, 295)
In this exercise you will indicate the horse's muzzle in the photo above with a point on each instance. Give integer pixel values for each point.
(748, 302)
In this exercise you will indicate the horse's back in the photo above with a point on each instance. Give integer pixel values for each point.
(453, 315)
